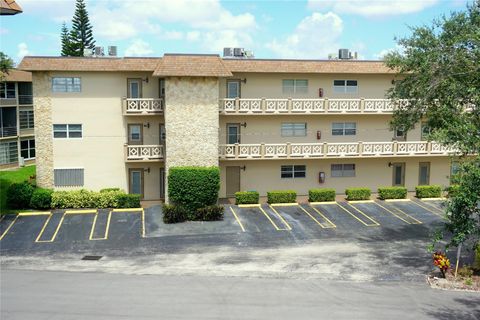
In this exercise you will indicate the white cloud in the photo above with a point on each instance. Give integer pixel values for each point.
(138, 48)
(314, 37)
(172, 35)
(193, 36)
(380, 55)
(22, 50)
(371, 8)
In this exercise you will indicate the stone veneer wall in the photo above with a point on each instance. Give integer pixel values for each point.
(42, 108)
(191, 122)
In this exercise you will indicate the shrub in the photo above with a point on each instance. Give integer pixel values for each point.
(476, 262)
(246, 197)
(392, 193)
(173, 213)
(19, 195)
(319, 195)
(441, 261)
(281, 196)
(428, 191)
(110, 189)
(465, 272)
(358, 193)
(452, 190)
(210, 213)
(193, 187)
(41, 199)
(126, 200)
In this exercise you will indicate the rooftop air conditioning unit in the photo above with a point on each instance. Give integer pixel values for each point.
(112, 51)
(343, 54)
(249, 54)
(99, 51)
(228, 52)
(238, 52)
(87, 52)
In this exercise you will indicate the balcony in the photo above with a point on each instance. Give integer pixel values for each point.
(144, 153)
(240, 106)
(142, 107)
(8, 132)
(331, 150)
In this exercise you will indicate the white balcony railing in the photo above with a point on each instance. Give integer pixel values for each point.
(305, 106)
(331, 150)
(142, 106)
(144, 152)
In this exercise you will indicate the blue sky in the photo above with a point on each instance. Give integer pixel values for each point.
(272, 29)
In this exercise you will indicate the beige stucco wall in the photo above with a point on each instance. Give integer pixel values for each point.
(191, 122)
(267, 129)
(43, 109)
(270, 85)
(263, 176)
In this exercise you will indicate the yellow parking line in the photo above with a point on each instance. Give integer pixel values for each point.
(324, 217)
(359, 201)
(375, 223)
(80, 211)
(287, 204)
(143, 223)
(56, 230)
(236, 218)
(128, 210)
(397, 216)
(105, 237)
(281, 218)
(2, 216)
(39, 213)
(253, 205)
(397, 200)
(314, 219)
(270, 219)
(428, 208)
(9, 227)
(324, 202)
(433, 199)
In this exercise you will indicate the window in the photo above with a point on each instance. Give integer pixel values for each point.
(345, 86)
(293, 86)
(344, 128)
(399, 133)
(27, 149)
(343, 170)
(135, 134)
(66, 84)
(8, 152)
(291, 129)
(26, 119)
(297, 171)
(7, 90)
(67, 130)
(233, 89)
(425, 131)
(68, 177)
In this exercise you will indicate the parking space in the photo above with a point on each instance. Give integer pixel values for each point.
(434, 206)
(287, 221)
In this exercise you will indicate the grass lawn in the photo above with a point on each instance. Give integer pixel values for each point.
(9, 177)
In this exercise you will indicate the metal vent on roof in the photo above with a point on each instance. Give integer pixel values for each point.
(92, 257)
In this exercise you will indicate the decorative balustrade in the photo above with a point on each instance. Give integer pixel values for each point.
(142, 106)
(305, 106)
(143, 152)
(331, 150)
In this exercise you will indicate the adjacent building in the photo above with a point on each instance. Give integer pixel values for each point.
(17, 140)
(268, 124)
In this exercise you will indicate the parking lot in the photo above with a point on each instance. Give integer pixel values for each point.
(295, 221)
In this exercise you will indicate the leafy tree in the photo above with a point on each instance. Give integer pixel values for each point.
(6, 63)
(80, 37)
(439, 76)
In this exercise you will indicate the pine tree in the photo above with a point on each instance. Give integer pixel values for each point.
(81, 35)
(65, 37)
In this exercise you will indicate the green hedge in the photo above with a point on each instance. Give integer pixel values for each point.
(210, 213)
(41, 199)
(247, 197)
(174, 214)
(193, 187)
(110, 189)
(432, 191)
(452, 190)
(91, 199)
(392, 193)
(358, 193)
(282, 196)
(476, 262)
(319, 195)
(19, 195)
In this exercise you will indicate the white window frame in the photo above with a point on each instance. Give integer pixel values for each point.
(28, 149)
(343, 172)
(30, 119)
(295, 87)
(346, 87)
(68, 130)
(294, 130)
(295, 169)
(424, 127)
(342, 126)
(68, 86)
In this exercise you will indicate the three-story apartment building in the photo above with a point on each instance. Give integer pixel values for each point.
(17, 141)
(268, 124)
